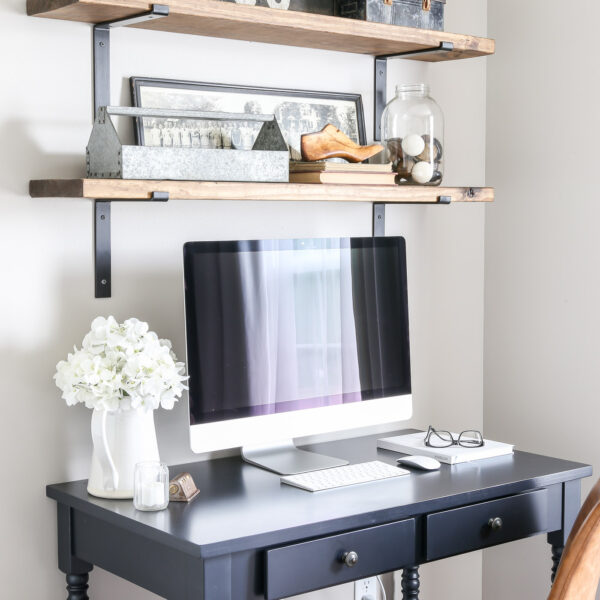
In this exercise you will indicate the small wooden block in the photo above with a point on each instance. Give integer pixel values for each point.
(182, 488)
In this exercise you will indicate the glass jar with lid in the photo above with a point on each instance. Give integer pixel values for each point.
(412, 127)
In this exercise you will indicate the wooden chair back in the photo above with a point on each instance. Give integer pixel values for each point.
(590, 502)
(579, 571)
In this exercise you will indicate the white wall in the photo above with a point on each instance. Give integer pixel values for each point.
(542, 324)
(47, 298)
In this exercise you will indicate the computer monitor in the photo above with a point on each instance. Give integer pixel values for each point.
(289, 338)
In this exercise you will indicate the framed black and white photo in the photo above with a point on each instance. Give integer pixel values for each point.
(296, 111)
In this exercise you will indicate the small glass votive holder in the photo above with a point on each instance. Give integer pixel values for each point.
(151, 486)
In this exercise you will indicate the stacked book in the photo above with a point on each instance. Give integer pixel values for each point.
(414, 443)
(342, 173)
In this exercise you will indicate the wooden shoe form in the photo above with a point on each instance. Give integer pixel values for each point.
(330, 142)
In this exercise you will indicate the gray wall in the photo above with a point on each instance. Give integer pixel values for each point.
(47, 298)
(542, 324)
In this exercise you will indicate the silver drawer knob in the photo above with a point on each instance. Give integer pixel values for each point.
(495, 524)
(350, 558)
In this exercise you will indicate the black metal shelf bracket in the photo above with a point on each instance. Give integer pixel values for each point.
(102, 244)
(379, 214)
(101, 46)
(378, 219)
(381, 79)
(159, 197)
(101, 54)
(102, 262)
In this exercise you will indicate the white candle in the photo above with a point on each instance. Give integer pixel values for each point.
(153, 494)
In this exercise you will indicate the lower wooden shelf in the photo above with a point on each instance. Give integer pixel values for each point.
(128, 189)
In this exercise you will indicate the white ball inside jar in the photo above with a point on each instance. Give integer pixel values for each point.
(413, 145)
(422, 172)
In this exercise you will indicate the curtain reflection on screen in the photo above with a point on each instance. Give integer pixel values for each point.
(299, 323)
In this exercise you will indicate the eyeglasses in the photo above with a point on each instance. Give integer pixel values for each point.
(444, 439)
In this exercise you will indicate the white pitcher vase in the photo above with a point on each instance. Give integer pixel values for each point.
(121, 439)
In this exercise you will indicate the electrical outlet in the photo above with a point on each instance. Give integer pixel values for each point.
(365, 589)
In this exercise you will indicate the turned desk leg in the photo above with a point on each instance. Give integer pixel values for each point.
(571, 503)
(556, 556)
(76, 570)
(410, 583)
(77, 586)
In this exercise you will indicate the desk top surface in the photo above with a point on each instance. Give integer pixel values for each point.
(241, 507)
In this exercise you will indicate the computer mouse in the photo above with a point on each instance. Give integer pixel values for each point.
(426, 463)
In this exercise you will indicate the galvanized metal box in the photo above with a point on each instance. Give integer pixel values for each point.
(108, 158)
(424, 14)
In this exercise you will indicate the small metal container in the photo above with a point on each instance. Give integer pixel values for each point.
(423, 14)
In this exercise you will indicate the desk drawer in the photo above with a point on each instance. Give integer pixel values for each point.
(473, 527)
(316, 564)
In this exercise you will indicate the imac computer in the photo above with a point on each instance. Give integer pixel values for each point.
(291, 338)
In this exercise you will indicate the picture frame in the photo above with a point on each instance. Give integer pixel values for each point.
(297, 112)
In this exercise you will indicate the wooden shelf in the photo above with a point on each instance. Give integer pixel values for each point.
(122, 189)
(215, 18)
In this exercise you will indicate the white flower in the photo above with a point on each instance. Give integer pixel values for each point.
(121, 367)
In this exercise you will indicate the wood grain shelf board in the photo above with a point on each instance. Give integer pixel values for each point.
(123, 189)
(215, 18)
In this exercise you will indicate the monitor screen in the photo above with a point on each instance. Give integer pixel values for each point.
(281, 325)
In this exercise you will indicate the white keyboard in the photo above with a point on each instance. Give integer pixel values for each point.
(316, 481)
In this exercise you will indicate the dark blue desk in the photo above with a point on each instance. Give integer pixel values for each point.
(247, 536)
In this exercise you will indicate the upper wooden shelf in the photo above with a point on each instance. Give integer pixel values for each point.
(215, 18)
(127, 189)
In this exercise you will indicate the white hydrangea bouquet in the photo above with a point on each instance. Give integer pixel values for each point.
(121, 366)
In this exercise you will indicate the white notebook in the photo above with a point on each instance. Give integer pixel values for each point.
(414, 443)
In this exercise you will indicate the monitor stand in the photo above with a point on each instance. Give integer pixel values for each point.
(284, 458)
